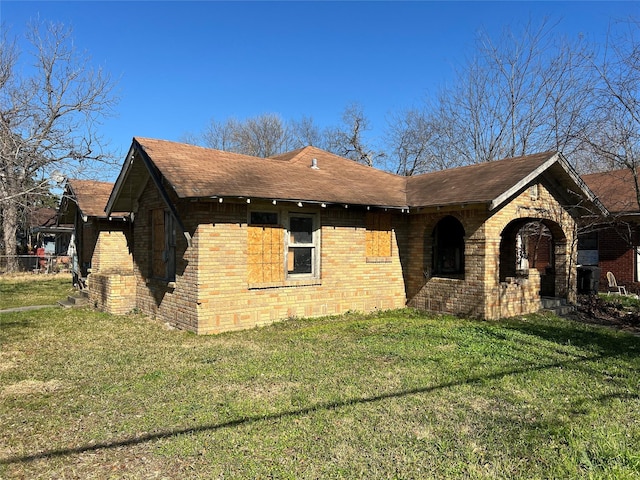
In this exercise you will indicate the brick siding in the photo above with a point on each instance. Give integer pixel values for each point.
(617, 256)
(481, 292)
(112, 285)
(214, 292)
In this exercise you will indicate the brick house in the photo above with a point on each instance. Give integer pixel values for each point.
(222, 241)
(613, 243)
(83, 206)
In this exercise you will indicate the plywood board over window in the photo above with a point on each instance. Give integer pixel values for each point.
(265, 254)
(378, 235)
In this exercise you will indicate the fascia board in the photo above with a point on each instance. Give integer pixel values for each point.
(496, 202)
(120, 181)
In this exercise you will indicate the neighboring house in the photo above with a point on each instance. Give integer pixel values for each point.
(47, 233)
(222, 241)
(613, 243)
(82, 206)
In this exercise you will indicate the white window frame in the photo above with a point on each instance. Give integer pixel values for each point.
(284, 219)
(314, 245)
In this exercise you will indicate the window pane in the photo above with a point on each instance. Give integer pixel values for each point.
(300, 260)
(301, 229)
(588, 241)
(264, 218)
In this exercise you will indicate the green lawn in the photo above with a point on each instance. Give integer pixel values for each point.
(395, 395)
(33, 289)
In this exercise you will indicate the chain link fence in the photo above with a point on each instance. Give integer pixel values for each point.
(37, 264)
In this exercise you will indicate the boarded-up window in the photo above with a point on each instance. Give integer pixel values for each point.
(163, 245)
(265, 249)
(378, 235)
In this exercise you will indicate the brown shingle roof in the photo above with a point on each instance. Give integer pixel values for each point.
(200, 172)
(91, 196)
(615, 189)
(481, 183)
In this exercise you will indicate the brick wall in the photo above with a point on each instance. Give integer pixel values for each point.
(348, 279)
(112, 292)
(480, 292)
(212, 291)
(112, 285)
(617, 256)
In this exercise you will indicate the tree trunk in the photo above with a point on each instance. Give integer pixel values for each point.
(9, 230)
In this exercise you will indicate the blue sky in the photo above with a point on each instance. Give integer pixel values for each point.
(179, 64)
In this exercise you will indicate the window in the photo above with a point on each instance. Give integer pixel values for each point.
(534, 192)
(301, 247)
(276, 253)
(378, 235)
(588, 253)
(448, 247)
(263, 218)
(163, 245)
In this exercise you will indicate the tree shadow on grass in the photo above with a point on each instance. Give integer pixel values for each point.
(599, 340)
(248, 420)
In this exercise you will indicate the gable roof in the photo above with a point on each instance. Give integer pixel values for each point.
(201, 172)
(615, 189)
(194, 172)
(480, 183)
(89, 196)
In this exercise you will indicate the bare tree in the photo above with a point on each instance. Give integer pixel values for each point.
(525, 92)
(263, 136)
(348, 140)
(260, 136)
(413, 139)
(48, 119)
(222, 135)
(305, 132)
(616, 141)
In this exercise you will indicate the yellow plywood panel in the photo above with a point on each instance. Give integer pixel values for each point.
(384, 244)
(370, 244)
(276, 272)
(265, 254)
(255, 273)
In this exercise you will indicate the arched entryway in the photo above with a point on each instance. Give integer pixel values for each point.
(534, 249)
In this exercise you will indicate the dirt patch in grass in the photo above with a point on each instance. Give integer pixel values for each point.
(619, 313)
(31, 387)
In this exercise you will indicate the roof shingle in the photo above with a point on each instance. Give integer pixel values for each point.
(615, 189)
(200, 172)
(91, 196)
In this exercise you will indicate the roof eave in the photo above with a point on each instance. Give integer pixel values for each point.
(559, 159)
(503, 197)
(121, 180)
(582, 186)
(322, 203)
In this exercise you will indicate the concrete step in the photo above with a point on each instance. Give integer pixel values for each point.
(558, 306)
(79, 299)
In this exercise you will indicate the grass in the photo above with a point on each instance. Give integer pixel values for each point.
(32, 289)
(395, 395)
